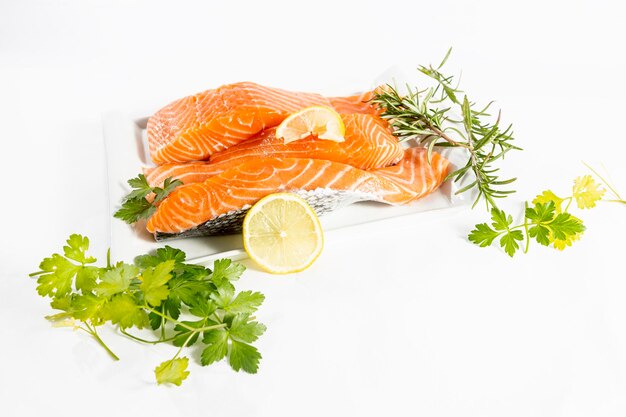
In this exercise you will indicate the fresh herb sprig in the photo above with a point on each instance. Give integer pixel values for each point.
(427, 117)
(615, 196)
(136, 204)
(548, 221)
(182, 303)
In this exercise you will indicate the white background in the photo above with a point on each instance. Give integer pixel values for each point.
(401, 318)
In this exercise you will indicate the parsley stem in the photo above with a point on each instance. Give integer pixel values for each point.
(34, 274)
(192, 334)
(608, 185)
(92, 331)
(569, 201)
(166, 317)
(213, 327)
(139, 339)
(526, 227)
(183, 325)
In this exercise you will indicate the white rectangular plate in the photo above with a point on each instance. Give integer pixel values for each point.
(126, 154)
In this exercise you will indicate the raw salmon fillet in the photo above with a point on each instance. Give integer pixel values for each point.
(195, 127)
(226, 197)
(355, 104)
(368, 145)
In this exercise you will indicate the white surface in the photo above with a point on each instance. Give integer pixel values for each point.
(401, 318)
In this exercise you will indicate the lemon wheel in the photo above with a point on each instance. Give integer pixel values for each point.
(282, 234)
(322, 122)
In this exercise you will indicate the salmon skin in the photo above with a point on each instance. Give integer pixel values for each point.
(368, 145)
(195, 127)
(218, 205)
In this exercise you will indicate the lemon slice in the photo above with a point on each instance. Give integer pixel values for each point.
(282, 234)
(319, 121)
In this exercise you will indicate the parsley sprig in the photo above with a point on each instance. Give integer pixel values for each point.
(548, 221)
(136, 204)
(182, 304)
(427, 116)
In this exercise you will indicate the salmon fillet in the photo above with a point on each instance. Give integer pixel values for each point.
(368, 145)
(226, 196)
(358, 103)
(195, 127)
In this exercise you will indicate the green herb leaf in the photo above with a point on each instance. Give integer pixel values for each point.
(429, 117)
(587, 192)
(244, 302)
(225, 269)
(135, 209)
(483, 235)
(548, 196)
(140, 186)
(136, 205)
(156, 291)
(217, 346)
(243, 330)
(168, 186)
(244, 356)
(509, 241)
(173, 371)
(154, 280)
(75, 249)
(124, 310)
(116, 280)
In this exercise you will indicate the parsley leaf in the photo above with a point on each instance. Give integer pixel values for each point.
(483, 235)
(243, 356)
(565, 225)
(57, 281)
(173, 371)
(500, 220)
(136, 205)
(245, 331)
(57, 273)
(225, 269)
(548, 222)
(548, 196)
(160, 291)
(124, 310)
(140, 186)
(154, 280)
(75, 249)
(509, 241)
(167, 253)
(135, 209)
(217, 346)
(586, 192)
(116, 280)
(168, 186)
(244, 302)
(224, 295)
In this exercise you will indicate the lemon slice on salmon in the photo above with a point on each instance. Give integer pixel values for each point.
(282, 234)
(319, 121)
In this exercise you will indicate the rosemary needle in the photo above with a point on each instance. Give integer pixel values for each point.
(426, 116)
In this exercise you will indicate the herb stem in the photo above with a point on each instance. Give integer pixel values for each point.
(166, 317)
(448, 139)
(92, 331)
(139, 339)
(183, 325)
(526, 227)
(616, 201)
(608, 184)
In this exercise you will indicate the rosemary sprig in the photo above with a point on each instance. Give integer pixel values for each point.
(426, 117)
